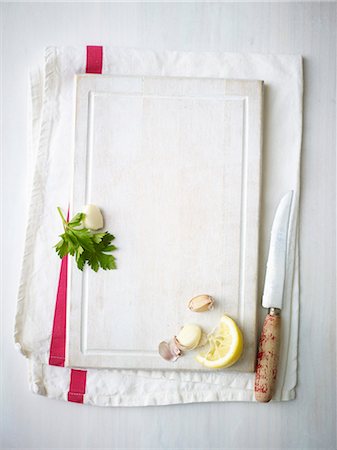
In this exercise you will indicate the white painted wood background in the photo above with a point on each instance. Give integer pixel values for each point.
(29, 421)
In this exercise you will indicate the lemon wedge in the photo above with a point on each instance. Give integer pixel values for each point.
(225, 345)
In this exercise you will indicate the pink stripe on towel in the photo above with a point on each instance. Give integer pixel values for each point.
(94, 59)
(78, 379)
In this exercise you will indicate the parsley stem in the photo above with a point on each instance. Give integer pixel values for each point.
(65, 223)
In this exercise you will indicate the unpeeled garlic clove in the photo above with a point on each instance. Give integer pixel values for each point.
(169, 350)
(188, 337)
(93, 217)
(201, 303)
(175, 350)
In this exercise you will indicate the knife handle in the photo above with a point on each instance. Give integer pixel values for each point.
(267, 357)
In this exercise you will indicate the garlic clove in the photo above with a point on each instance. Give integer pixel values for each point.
(201, 303)
(164, 351)
(175, 350)
(93, 217)
(203, 340)
(188, 337)
(179, 345)
(169, 351)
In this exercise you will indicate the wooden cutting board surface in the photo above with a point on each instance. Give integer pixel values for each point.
(174, 164)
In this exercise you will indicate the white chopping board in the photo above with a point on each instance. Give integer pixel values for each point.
(174, 164)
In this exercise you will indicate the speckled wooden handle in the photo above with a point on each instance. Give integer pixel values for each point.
(267, 358)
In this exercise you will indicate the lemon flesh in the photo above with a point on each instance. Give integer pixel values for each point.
(225, 345)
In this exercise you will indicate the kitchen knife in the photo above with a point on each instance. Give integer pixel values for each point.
(269, 344)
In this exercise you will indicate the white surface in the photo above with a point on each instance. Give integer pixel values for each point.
(181, 193)
(308, 29)
(282, 143)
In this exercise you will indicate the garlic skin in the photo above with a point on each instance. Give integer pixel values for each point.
(175, 350)
(169, 350)
(201, 303)
(93, 217)
(189, 337)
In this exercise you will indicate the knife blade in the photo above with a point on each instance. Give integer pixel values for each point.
(269, 343)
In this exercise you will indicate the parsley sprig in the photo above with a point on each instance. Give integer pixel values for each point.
(84, 245)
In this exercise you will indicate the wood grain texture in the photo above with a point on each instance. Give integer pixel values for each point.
(301, 28)
(267, 358)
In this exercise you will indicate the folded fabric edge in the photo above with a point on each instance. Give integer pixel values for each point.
(36, 195)
(38, 385)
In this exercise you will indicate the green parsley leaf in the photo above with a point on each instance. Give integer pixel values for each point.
(87, 247)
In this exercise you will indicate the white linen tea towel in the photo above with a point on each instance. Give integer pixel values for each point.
(41, 311)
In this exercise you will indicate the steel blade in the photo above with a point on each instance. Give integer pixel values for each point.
(276, 263)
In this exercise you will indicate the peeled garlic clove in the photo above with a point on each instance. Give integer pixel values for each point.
(169, 351)
(93, 217)
(203, 340)
(179, 345)
(201, 303)
(189, 336)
